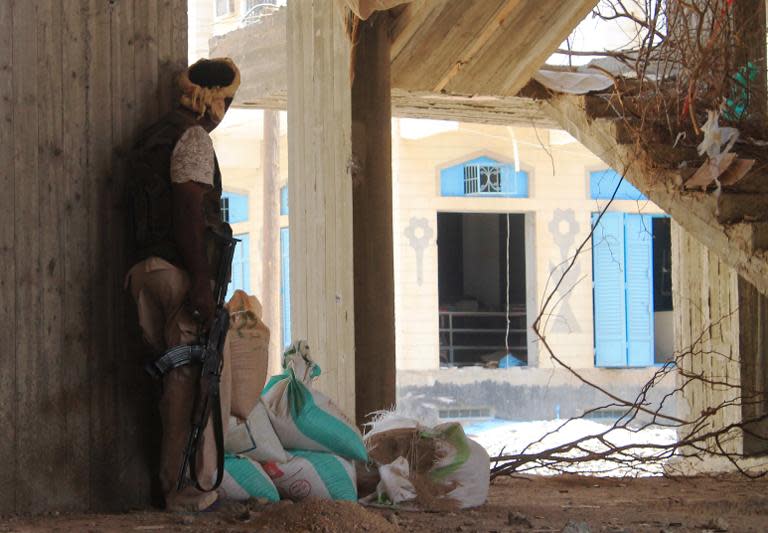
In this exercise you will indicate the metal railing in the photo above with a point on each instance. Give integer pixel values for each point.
(466, 327)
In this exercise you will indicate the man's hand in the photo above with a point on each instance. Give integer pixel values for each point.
(202, 303)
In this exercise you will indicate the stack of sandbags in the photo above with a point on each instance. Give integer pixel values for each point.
(295, 437)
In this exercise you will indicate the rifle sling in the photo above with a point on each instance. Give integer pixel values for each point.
(218, 435)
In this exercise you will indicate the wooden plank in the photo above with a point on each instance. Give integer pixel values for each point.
(134, 62)
(146, 73)
(320, 160)
(107, 474)
(343, 293)
(76, 195)
(270, 282)
(407, 24)
(62, 308)
(64, 478)
(296, 146)
(320, 192)
(8, 399)
(164, 40)
(439, 41)
(522, 43)
(697, 318)
(179, 37)
(372, 212)
(484, 34)
(489, 47)
(32, 377)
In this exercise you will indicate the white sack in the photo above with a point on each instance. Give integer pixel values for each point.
(315, 475)
(254, 437)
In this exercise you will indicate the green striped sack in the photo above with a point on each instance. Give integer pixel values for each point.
(315, 475)
(305, 419)
(244, 479)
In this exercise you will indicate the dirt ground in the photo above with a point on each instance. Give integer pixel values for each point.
(656, 505)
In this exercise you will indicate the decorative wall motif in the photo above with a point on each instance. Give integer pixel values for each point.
(564, 229)
(419, 233)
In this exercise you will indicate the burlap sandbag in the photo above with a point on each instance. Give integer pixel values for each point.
(248, 351)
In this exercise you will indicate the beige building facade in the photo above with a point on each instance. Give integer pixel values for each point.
(552, 222)
(556, 217)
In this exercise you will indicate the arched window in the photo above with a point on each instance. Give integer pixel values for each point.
(483, 176)
(603, 184)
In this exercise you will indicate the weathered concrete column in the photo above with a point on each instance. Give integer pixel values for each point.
(339, 135)
(372, 201)
(320, 200)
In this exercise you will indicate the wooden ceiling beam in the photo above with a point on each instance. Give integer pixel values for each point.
(478, 47)
(504, 10)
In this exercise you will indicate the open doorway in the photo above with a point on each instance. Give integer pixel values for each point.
(482, 289)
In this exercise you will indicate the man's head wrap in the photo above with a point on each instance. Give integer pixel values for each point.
(206, 85)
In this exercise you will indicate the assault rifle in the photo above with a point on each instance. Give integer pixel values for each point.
(209, 354)
(208, 399)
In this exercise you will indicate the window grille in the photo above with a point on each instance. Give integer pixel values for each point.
(224, 7)
(250, 4)
(482, 179)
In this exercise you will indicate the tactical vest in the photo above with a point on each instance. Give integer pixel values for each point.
(150, 198)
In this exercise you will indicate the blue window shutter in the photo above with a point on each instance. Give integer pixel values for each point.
(638, 240)
(238, 207)
(452, 181)
(603, 182)
(609, 294)
(284, 200)
(241, 267)
(285, 286)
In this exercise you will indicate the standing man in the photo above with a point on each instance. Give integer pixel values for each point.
(175, 190)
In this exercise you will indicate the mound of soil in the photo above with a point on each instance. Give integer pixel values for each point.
(323, 517)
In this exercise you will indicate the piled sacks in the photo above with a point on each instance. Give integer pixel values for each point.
(294, 443)
(290, 441)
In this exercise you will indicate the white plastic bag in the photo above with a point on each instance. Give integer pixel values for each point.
(254, 437)
(395, 485)
(451, 469)
(466, 465)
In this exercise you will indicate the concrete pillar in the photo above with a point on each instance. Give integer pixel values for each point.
(270, 273)
(320, 199)
(339, 134)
